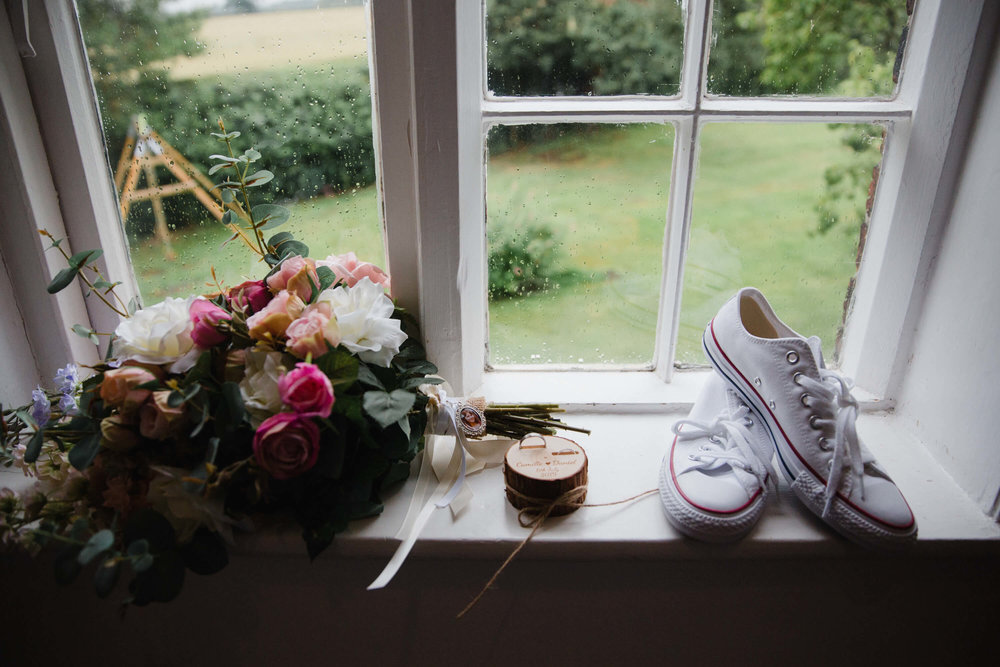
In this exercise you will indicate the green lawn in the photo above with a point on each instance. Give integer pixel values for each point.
(605, 194)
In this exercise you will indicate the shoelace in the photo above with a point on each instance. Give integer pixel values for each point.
(836, 410)
(729, 443)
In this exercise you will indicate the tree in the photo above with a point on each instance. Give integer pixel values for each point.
(127, 41)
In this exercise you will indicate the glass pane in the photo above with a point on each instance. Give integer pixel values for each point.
(575, 222)
(583, 47)
(294, 83)
(779, 207)
(844, 48)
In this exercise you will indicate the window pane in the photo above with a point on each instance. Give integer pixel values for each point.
(575, 222)
(780, 207)
(583, 47)
(294, 83)
(844, 48)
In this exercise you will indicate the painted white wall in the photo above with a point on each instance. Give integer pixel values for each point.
(18, 375)
(951, 393)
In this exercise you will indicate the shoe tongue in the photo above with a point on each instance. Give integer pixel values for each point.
(817, 349)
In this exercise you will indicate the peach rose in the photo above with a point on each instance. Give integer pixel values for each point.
(272, 321)
(159, 421)
(297, 275)
(310, 333)
(349, 270)
(119, 387)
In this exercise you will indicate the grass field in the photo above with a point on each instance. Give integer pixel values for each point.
(268, 41)
(605, 195)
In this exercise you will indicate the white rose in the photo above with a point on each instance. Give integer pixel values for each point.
(159, 334)
(259, 385)
(364, 317)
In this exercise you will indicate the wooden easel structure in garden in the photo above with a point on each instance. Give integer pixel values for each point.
(143, 152)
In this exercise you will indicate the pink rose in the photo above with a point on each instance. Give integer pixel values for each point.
(207, 317)
(297, 275)
(273, 320)
(349, 270)
(159, 421)
(286, 445)
(252, 295)
(119, 386)
(310, 333)
(307, 390)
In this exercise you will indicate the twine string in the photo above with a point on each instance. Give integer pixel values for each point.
(534, 514)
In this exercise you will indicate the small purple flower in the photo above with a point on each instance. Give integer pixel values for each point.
(67, 378)
(68, 404)
(40, 408)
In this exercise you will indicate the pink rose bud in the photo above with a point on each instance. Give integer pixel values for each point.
(119, 386)
(286, 445)
(252, 296)
(159, 421)
(272, 321)
(306, 390)
(310, 333)
(297, 275)
(207, 317)
(349, 270)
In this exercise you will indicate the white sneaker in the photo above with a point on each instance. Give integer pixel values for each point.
(713, 479)
(810, 414)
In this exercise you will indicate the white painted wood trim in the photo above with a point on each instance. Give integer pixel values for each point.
(70, 123)
(30, 201)
(390, 63)
(887, 300)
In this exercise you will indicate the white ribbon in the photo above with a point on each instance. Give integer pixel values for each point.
(450, 466)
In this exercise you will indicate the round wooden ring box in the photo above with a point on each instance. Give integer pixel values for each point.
(540, 468)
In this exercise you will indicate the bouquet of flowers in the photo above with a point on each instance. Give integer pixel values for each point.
(303, 392)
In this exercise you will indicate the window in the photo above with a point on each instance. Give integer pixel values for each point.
(294, 82)
(433, 118)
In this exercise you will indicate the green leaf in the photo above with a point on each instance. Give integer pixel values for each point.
(251, 154)
(413, 383)
(98, 543)
(232, 413)
(326, 277)
(339, 365)
(148, 524)
(62, 280)
(80, 259)
(106, 577)
(269, 216)
(161, 581)
(84, 332)
(34, 447)
(134, 305)
(386, 408)
(83, 452)
(79, 530)
(218, 167)
(365, 376)
(292, 248)
(225, 158)
(260, 178)
(143, 562)
(278, 238)
(138, 548)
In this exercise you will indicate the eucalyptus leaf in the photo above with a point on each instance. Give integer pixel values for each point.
(62, 279)
(84, 332)
(81, 258)
(134, 305)
(228, 196)
(106, 577)
(225, 158)
(269, 216)
(251, 154)
(218, 167)
(365, 376)
(259, 178)
(386, 408)
(138, 548)
(98, 543)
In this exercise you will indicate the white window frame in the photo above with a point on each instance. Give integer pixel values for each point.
(445, 152)
(431, 114)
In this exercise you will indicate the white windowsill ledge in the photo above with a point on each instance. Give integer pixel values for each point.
(624, 454)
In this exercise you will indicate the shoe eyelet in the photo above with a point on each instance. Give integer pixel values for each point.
(771, 404)
(792, 357)
(812, 422)
(795, 378)
(756, 381)
(802, 400)
(713, 439)
(747, 422)
(824, 444)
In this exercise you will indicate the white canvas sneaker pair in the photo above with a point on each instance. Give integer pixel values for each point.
(806, 414)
